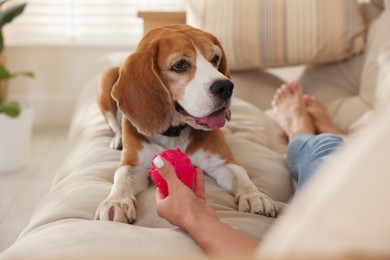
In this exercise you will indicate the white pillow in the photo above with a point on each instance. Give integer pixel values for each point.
(265, 33)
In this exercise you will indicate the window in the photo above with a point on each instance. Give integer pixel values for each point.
(82, 22)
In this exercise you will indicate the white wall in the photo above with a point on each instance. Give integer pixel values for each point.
(60, 73)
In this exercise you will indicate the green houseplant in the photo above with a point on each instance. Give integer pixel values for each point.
(7, 14)
(15, 121)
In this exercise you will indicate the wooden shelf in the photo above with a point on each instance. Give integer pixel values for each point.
(153, 19)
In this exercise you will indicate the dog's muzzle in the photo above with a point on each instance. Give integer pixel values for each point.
(222, 89)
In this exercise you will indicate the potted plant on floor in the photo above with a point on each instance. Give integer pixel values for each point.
(15, 119)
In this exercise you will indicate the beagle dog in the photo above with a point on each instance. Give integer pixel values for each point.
(173, 92)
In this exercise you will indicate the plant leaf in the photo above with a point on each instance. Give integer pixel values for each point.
(10, 13)
(7, 15)
(11, 108)
(6, 75)
(29, 74)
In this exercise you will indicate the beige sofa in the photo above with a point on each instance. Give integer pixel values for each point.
(343, 211)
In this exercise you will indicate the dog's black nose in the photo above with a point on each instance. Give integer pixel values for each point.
(222, 89)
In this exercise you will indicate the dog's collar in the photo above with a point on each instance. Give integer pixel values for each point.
(174, 131)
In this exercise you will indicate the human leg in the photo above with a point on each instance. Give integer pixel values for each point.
(320, 117)
(306, 152)
(290, 110)
(302, 117)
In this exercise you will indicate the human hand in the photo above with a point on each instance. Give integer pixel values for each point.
(188, 210)
(182, 207)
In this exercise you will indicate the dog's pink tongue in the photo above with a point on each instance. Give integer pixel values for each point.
(213, 121)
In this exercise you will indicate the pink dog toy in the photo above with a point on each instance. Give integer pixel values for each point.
(182, 165)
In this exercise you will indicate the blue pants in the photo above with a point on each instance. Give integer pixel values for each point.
(305, 152)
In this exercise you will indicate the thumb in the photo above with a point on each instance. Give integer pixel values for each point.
(165, 168)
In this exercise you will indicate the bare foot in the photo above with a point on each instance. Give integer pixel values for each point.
(320, 117)
(290, 110)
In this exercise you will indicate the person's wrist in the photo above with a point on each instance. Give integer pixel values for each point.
(197, 218)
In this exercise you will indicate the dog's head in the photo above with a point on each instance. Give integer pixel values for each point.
(178, 74)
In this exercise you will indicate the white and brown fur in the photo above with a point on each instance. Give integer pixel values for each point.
(177, 76)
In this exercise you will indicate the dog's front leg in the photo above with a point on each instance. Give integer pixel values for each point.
(218, 161)
(120, 204)
(116, 142)
(235, 178)
(249, 198)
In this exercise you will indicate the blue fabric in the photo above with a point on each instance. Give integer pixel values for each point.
(306, 152)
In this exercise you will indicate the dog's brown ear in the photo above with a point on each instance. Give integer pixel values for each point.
(141, 95)
(224, 69)
(223, 64)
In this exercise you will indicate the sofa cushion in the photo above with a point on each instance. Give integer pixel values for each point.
(63, 224)
(348, 87)
(382, 92)
(378, 37)
(267, 33)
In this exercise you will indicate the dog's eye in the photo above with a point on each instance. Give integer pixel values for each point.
(180, 66)
(215, 60)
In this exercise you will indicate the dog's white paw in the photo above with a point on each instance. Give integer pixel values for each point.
(116, 142)
(117, 209)
(257, 203)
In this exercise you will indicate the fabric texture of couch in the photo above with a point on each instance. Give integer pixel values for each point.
(342, 211)
(263, 33)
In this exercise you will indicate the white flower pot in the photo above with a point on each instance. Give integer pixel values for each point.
(15, 140)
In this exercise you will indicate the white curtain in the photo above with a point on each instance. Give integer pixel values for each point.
(82, 22)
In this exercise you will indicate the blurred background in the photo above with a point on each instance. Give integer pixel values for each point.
(59, 41)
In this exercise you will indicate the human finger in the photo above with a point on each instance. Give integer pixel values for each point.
(165, 168)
